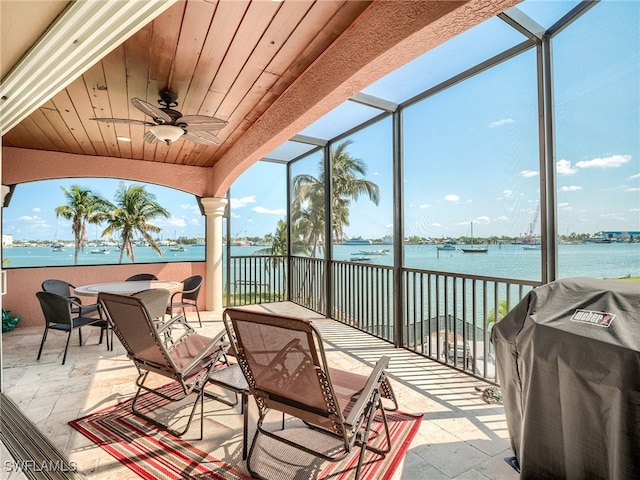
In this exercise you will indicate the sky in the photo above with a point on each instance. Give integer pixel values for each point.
(31, 213)
(471, 152)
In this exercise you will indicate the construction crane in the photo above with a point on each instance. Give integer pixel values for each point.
(532, 226)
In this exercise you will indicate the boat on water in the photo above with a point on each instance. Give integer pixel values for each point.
(357, 241)
(531, 247)
(447, 247)
(372, 252)
(474, 248)
(177, 249)
(57, 248)
(100, 251)
(361, 259)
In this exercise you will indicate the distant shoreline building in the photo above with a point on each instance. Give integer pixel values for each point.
(622, 236)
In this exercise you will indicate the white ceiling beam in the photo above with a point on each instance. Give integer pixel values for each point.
(81, 36)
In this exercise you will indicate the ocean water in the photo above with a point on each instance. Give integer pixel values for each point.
(41, 256)
(506, 261)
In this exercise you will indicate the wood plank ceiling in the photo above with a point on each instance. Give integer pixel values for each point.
(228, 59)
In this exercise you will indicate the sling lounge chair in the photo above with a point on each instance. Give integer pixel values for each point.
(283, 360)
(189, 359)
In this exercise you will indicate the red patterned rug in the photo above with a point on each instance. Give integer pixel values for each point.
(154, 454)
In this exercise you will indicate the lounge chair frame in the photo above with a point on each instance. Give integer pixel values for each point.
(273, 384)
(134, 327)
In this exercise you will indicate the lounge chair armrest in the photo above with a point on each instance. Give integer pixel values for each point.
(211, 347)
(373, 383)
(170, 323)
(220, 337)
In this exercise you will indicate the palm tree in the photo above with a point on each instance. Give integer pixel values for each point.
(278, 250)
(82, 207)
(278, 247)
(134, 208)
(308, 214)
(502, 311)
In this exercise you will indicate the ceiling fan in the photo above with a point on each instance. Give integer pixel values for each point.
(170, 125)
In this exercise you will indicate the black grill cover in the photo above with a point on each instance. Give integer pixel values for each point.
(568, 360)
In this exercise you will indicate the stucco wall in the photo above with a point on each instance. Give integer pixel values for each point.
(23, 283)
(20, 165)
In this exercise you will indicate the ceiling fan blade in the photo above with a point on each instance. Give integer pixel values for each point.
(123, 120)
(154, 112)
(201, 137)
(202, 122)
(149, 137)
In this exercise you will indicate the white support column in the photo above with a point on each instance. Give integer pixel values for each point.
(214, 209)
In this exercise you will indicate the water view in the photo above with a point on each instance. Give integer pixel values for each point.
(611, 260)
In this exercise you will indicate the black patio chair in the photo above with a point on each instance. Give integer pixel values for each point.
(141, 276)
(156, 300)
(187, 297)
(66, 289)
(58, 315)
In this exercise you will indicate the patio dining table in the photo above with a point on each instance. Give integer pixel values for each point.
(126, 288)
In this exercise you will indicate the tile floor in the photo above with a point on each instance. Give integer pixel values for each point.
(461, 436)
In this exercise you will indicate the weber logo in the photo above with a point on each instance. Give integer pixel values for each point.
(601, 319)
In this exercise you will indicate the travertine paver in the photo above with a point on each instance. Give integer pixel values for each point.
(461, 437)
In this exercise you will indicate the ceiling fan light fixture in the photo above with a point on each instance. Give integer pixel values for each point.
(167, 133)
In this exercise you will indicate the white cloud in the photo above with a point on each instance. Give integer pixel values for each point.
(277, 211)
(483, 220)
(34, 221)
(452, 198)
(499, 123)
(502, 218)
(425, 205)
(564, 206)
(632, 189)
(507, 193)
(613, 161)
(570, 188)
(242, 202)
(175, 222)
(633, 177)
(563, 167)
(528, 173)
(613, 216)
(37, 210)
(190, 206)
(235, 215)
